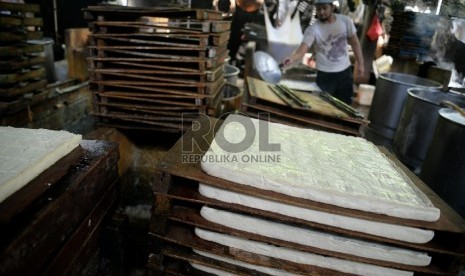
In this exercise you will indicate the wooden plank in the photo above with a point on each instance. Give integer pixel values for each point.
(168, 52)
(20, 50)
(22, 63)
(16, 7)
(183, 190)
(322, 124)
(21, 21)
(201, 40)
(19, 77)
(152, 99)
(180, 235)
(22, 89)
(191, 257)
(165, 87)
(13, 36)
(142, 120)
(135, 12)
(179, 26)
(135, 126)
(220, 38)
(171, 267)
(192, 217)
(155, 63)
(167, 76)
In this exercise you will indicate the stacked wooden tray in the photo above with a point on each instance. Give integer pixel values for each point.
(21, 61)
(53, 225)
(156, 68)
(176, 213)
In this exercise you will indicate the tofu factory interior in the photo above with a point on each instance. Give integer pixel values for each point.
(232, 137)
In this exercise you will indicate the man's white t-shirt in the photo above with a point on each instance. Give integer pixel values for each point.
(332, 54)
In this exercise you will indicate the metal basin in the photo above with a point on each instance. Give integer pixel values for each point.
(418, 122)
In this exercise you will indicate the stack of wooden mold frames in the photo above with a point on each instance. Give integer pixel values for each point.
(21, 60)
(56, 191)
(329, 205)
(156, 68)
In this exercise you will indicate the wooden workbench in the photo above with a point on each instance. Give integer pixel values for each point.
(320, 114)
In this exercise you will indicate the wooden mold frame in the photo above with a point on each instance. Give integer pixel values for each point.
(176, 213)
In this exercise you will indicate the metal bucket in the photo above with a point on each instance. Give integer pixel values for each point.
(418, 122)
(232, 98)
(388, 101)
(444, 166)
(231, 73)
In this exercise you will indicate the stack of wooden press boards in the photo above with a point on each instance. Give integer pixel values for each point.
(156, 68)
(55, 193)
(22, 61)
(239, 219)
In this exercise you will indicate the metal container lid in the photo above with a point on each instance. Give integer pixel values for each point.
(410, 80)
(452, 115)
(435, 97)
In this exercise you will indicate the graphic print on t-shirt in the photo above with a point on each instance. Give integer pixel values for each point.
(337, 44)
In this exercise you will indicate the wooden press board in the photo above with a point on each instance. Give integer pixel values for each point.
(260, 90)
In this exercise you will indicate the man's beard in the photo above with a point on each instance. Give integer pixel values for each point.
(323, 19)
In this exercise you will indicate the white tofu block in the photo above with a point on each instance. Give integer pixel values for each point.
(345, 171)
(386, 230)
(299, 256)
(315, 239)
(26, 153)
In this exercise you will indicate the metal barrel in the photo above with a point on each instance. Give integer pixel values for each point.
(388, 101)
(444, 166)
(418, 122)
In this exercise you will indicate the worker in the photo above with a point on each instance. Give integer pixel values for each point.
(331, 33)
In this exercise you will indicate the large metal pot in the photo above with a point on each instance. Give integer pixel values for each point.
(388, 101)
(418, 122)
(444, 166)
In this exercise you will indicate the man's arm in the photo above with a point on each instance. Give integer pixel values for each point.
(355, 44)
(297, 54)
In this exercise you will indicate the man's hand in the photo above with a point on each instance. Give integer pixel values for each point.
(287, 62)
